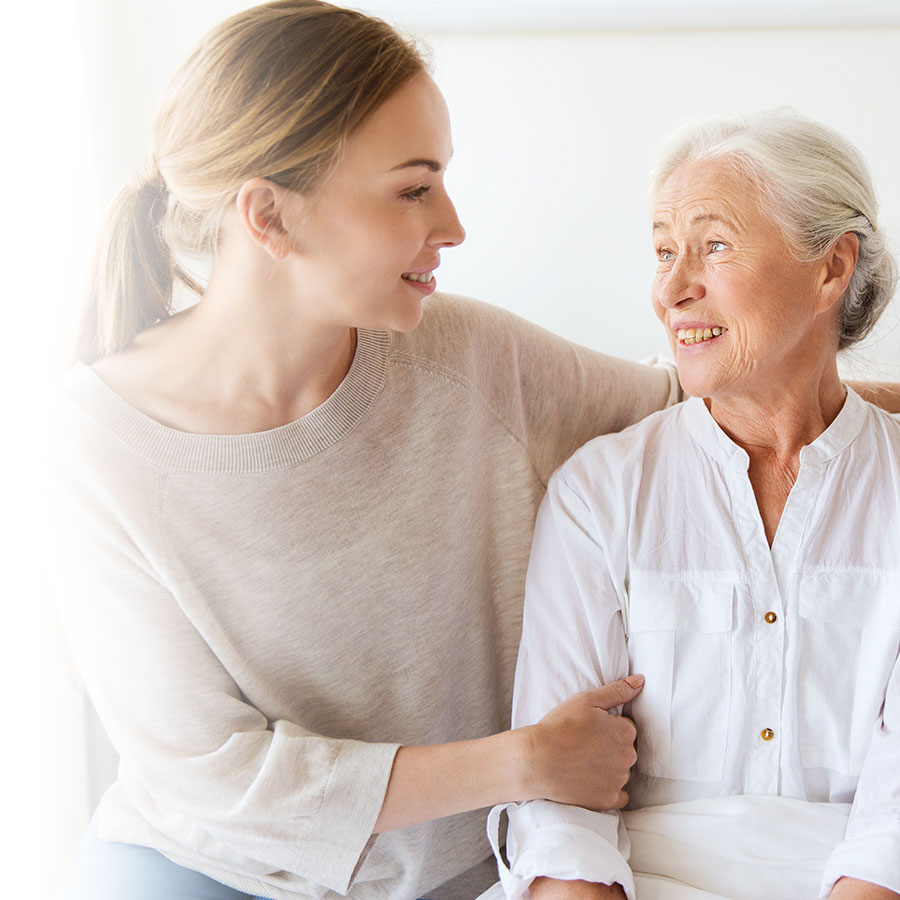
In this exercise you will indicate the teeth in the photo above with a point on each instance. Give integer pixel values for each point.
(424, 278)
(698, 335)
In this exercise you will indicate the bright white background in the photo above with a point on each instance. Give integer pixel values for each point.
(556, 109)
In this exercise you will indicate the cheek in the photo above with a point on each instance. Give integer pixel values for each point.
(658, 309)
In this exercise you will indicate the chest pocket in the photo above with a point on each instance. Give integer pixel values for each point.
(679, 637)
(850, 639)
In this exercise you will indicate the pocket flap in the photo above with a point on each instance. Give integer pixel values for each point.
(665, 604)
(860, 599)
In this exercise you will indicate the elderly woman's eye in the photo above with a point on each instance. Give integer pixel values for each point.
(717, 246)
(664, 255)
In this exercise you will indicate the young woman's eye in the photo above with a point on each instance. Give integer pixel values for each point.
(417, 193)
(717, 246)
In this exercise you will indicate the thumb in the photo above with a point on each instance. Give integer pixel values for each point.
(618, 692)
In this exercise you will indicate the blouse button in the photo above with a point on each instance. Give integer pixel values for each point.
(767, 734)
(770, 617)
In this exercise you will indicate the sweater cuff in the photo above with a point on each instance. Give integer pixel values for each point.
(871, 857)
(343, 827)
(676, 391)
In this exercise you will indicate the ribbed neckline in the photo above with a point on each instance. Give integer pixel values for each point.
(239, 453)
(836, 437)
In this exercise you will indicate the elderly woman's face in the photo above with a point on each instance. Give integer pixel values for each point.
(737, 307)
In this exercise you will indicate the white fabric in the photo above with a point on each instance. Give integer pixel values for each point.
(650, 556)
(731, 848)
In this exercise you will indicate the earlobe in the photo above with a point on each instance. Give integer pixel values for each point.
(837, 269)
(259, 205)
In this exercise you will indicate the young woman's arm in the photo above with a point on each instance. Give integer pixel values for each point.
(883, 394)
(578, 754)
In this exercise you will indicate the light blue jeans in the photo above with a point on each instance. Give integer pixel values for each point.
(105, 871)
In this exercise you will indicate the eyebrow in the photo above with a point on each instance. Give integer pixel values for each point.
(698, 220)
(430, 164)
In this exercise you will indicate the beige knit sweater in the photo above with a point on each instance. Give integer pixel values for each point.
(261, 620)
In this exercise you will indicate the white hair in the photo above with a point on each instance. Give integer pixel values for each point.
(813, 183)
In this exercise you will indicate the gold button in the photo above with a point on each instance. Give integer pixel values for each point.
(767, 734)
(771, 618)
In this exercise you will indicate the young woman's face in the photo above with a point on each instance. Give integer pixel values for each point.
(367, 242)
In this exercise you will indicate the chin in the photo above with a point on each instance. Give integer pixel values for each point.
(407, 318)
(697, 384)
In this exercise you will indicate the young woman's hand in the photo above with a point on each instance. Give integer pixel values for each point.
(581, 753)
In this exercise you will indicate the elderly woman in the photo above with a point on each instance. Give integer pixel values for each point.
(740, 550)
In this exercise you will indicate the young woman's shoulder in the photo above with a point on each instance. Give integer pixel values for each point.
(460, 332)
(463, 317)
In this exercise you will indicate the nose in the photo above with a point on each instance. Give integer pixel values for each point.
(448, 230)
(680, 284)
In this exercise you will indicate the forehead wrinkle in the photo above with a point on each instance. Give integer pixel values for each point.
(694, 213)
(703, 218)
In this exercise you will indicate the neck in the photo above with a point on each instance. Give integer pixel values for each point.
(779, 423)
(250, 356)
(774, 426)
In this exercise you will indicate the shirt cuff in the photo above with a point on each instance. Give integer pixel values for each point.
(584, 848)
(871, 857)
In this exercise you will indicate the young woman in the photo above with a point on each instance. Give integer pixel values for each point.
(294, 519)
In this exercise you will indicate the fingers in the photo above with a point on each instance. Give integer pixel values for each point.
(609, 696)
(610, 800)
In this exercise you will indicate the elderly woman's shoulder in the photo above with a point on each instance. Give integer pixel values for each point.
(889, 422)
(622, 457)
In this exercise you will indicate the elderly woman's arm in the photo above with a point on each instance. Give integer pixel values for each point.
(555, 889)
(572, 637)
(866, 864)
(854, 889)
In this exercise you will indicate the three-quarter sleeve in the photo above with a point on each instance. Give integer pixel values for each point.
(870, 850)
(572, 640)
(208, 773)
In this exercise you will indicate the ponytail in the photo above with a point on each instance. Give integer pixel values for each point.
(130, 286)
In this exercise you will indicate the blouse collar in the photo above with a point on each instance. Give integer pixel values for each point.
(834, 440)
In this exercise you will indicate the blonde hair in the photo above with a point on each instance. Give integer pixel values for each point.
(272, 92)
(814, 183)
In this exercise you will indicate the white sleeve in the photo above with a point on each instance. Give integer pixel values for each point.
(870, 850)
(572, 640)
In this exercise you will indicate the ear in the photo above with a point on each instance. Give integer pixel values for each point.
(836, 269)
(260, 205)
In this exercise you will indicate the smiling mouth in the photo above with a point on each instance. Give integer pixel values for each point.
(424, 278)
(698, 335)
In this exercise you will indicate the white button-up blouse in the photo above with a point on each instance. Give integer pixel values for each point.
(768, 671)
